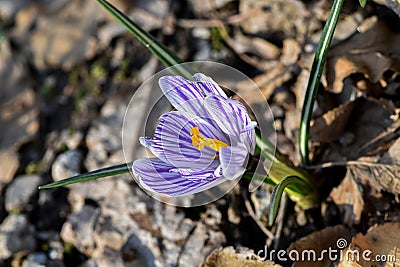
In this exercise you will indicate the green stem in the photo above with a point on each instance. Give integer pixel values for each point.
(105, 172)
(265, 148)
(260, 177)
(278, 191)
(315, 77)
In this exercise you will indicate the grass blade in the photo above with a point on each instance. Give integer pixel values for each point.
(101, 173)
(315, 77)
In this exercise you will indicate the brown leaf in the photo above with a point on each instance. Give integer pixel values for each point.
(369, 119)
(257, 46)
(379, 242)
(348, 196)
(379, 176)
(273, 78)
(290, 52)
(394, 151)
(273, 17)
(228, 257)
(372, 52)
(330, 126)
(319, 241)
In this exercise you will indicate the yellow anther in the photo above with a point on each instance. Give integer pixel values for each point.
(199, 141)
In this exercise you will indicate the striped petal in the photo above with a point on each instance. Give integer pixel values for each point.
(232, 117)
(208, 85)
(172, 142)
(248, 137)
(157, 176)
(233, 160)
(184, 95)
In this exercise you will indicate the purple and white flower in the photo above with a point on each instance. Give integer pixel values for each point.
(205, 142)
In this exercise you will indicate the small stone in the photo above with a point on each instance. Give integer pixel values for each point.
(37, 259)
(65, 37)
(66, 165)
(78, 230)
(191, 254)
(9, 164)
(204, 7)
(8, 9)
(111, 258)
(71, 140)
(19, 194)
(16, 235)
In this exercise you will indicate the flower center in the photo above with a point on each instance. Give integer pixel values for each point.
(199, 141)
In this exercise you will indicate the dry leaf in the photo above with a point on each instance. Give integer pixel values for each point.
(228, 257)
(319, 241)
(330, 126)
(273, 17)
(381, 241)
(273, 78)
(379, 176)
(394, 151)
(348, 197)
(372, 51)
(369, 119)
(290, 52)
(242, 44)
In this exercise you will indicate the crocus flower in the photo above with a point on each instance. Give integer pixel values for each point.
(206, 141)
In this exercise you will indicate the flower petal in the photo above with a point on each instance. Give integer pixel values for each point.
(184, 95)
(231, 115)
(208, 85)
(157, 176)
(172, 142)
(248, 137)
(232, 160)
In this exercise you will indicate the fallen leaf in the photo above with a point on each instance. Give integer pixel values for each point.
(242, 44)
(331, 125)
(379, 176)
(381, 241)
(228, 257)
(369, 119)
(371, 52)
(271, 79)
(348, 197)
(274, 17)
(394, 151)
(318, 243)
(290, 52)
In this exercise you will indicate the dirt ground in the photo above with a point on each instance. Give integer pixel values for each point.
(68, 70)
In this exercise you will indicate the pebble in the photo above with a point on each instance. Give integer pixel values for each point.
(66, 165)
(16, 235)
(20, 193)
(78, 230)
(37, 259)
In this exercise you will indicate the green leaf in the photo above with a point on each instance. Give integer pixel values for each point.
(166, 56)
(278, 191)
(315, 77)
(306, 196)
(363, 3)
(101, 173)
